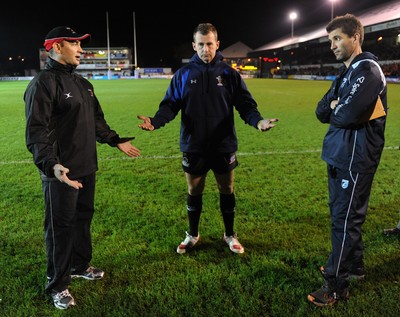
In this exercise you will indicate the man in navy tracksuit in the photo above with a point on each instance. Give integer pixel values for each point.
(352, 149)
(207, 91)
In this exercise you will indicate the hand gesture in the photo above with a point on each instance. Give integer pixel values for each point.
(60, 172)
(128, 149)
(266, 124)
(146, 125)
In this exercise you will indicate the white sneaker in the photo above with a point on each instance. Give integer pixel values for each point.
(91, 273)
(188, 243)
(234, 243)
(62, 300)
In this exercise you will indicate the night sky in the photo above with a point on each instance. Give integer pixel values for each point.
(163, 32)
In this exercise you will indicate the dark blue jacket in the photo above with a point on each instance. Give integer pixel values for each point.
(353, 142)
(206, 95)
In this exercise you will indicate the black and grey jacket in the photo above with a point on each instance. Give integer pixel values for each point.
(64, 120)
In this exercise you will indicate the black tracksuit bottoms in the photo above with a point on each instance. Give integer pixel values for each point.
(349, 194)
(68, 216)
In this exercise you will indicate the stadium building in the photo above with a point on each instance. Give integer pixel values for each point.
(306, 55)
(95, 61)
(308, 52)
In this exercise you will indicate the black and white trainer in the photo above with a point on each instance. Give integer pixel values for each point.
(91, 273)
(63, 299)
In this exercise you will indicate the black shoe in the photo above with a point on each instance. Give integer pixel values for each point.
(91, 273)
(327, 297)
(62, 300)
(391, 232)
(354, 274)
(357, 273)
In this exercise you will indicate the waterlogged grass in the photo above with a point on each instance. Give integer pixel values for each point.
(282, 216)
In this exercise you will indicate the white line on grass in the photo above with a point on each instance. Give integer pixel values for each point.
(164, 157)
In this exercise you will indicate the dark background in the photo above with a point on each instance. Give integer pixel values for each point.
(163, 31)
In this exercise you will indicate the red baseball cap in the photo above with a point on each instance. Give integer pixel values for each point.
(63, 33)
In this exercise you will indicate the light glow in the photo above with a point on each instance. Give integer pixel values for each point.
(292, 17)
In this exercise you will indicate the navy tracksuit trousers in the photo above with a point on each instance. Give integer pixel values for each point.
(348, 202)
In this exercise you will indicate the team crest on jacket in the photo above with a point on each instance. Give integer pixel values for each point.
(345, 183)
(344, 81)
(219, 81)
(185, 162)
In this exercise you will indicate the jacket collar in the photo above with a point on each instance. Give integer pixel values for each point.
(217, 58)
(53, 64)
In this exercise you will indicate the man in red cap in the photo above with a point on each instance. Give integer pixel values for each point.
(63, 33)
(63, 122)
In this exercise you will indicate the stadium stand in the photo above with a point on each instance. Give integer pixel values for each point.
(308, 54)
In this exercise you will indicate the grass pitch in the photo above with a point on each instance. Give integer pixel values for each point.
(282, 216)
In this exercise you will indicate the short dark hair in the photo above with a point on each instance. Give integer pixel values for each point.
(349, 24)
(204, 29)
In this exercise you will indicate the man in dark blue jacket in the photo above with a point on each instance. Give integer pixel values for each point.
(355, 107)
(207, 91)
